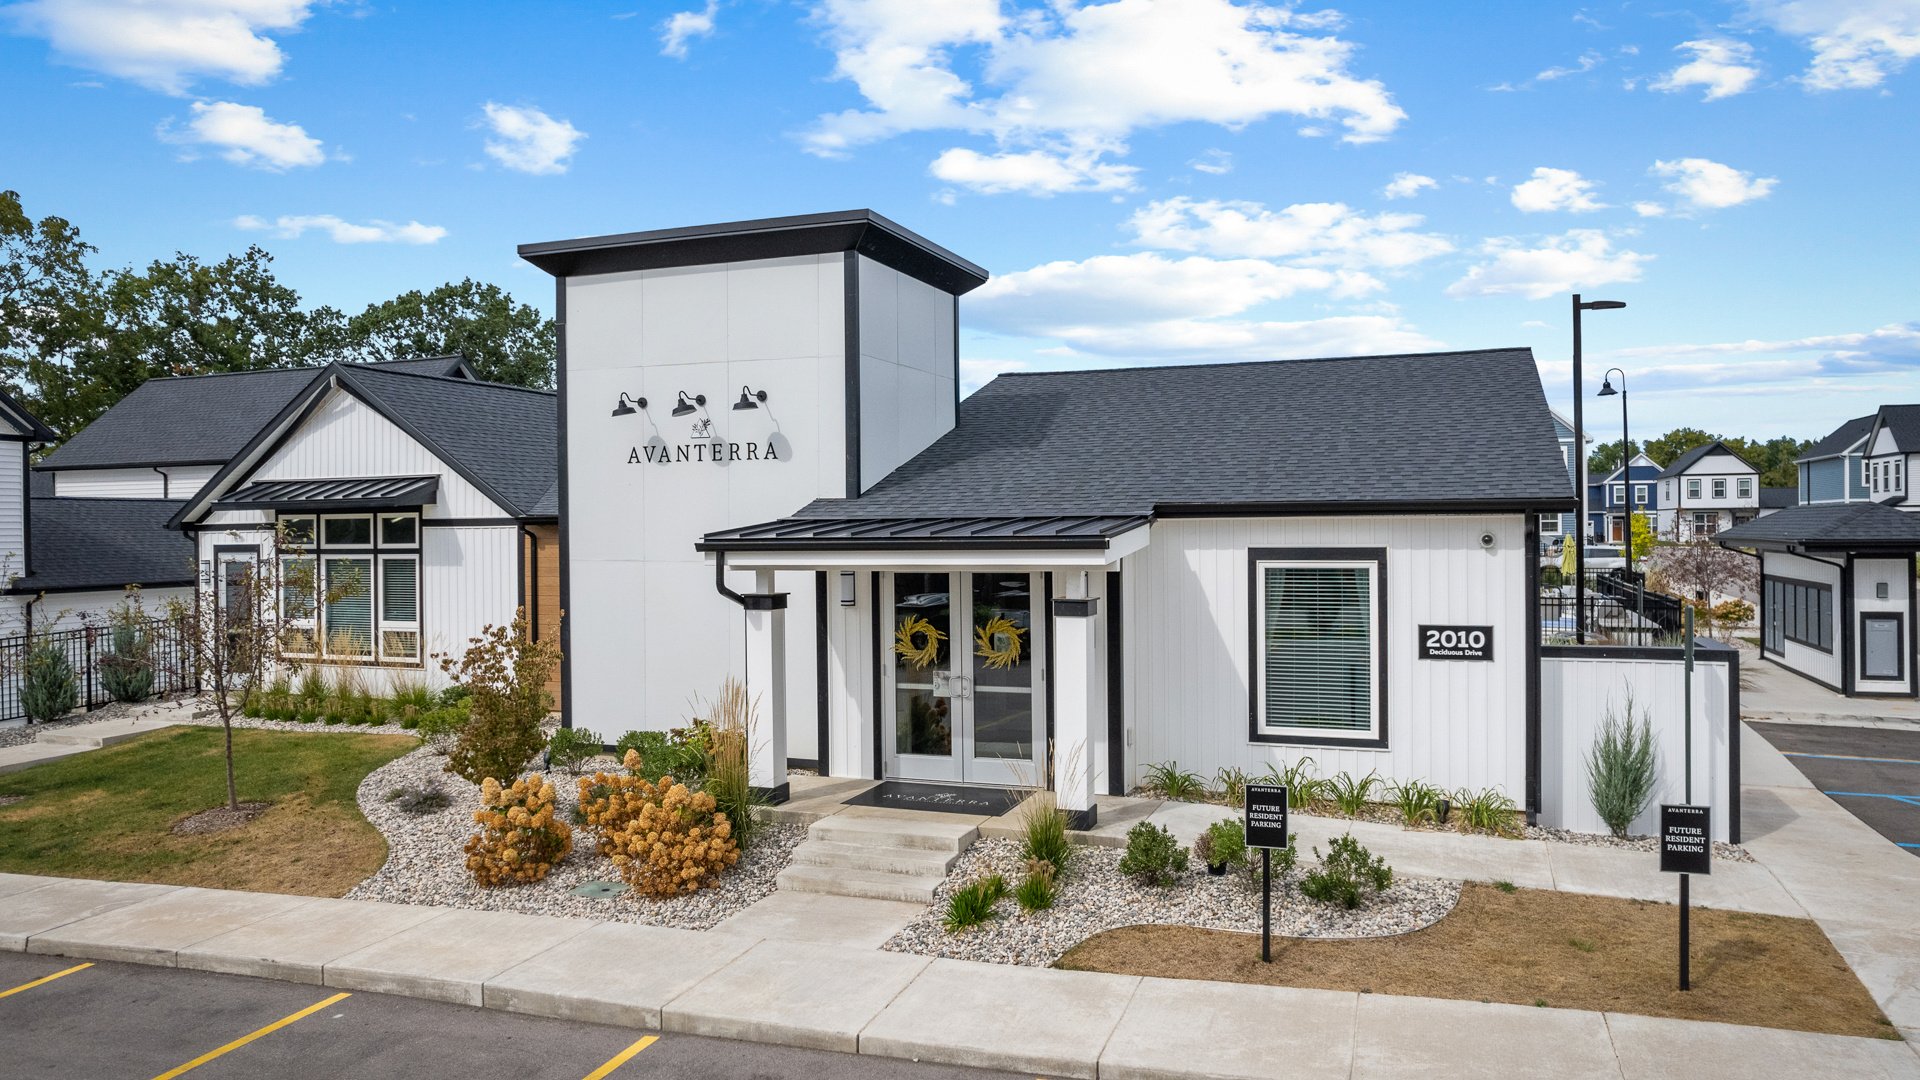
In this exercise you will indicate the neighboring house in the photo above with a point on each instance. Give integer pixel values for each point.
(425, 499)
(1608, 501)
(1892, 450)
(1775, 499)
(1833, 470)
(1554, 526)
(1705, 490)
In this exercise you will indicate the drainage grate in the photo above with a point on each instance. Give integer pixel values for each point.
(600, 890)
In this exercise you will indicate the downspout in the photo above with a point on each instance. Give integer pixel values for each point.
(530, 578)
(720, 579)
(165, 482)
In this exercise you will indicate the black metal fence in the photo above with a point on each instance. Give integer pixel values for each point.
(1620, 609)
(87, 649)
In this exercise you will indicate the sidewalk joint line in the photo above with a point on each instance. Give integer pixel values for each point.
(251, 1036)
(46, 979)
(622, 1057)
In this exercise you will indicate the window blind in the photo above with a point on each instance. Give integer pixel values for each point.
(399, 590)
(349, 584)
(1318, 629)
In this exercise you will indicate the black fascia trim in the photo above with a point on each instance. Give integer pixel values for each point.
(820, 710)
(271, 436)
(109, 586)
(764, 601)
(1703, 652)
(1849, 662)
(861, 231)
(564, 549)
(1334, 509)
(1913, 599)
(1068, 607)
(1256, 556)
(1900, 625)
(331, 506)
(879, 720)
(46, 466)
(26, 512)
(476, 523)
(1530, 579)
(1116, 687)
(1046, 758)
(850, 299)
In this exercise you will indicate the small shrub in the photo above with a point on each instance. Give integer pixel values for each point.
(505, 671)
(1232, 785)
(666, 839)
(1169, 781)
(127, 671)
(441, 727)
(1417, 801)
(1487, 810)
(660, 756)
(568, 747)
(1347, 875)
(1036, 892)
(519, 840)
(1153, 856)
(972, 904)
(47, 690)
(1351, 794)
(313, 689)
(1622, 768)
(1506, 886)
(454, 695)
(1224, 843)
(1044, 832)
(427, 798)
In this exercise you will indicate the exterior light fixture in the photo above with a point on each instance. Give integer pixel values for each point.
(628, 405)
(846, 588)
(750, 399)
(1580, 473)
(688, 406)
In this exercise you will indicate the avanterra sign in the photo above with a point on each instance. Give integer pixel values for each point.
(702, 449)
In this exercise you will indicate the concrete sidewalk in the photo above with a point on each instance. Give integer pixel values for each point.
(53, 744)
(1042, 1021)
(1771, 692)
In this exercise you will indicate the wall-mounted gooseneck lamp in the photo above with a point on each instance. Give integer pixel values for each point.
(629, 405)
(687, 406)
(750, 399)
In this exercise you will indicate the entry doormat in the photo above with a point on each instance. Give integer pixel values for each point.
(943, 798)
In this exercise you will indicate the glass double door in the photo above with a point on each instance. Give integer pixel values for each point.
(961, 657)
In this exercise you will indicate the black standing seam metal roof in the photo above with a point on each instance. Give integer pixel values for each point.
(1829, 527)
(1840, 440)
(1422, 432)
(1686, 461)
(351, 493)
(83, 544)
(861, 534)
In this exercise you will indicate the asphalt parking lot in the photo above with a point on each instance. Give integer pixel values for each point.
(108, 1021)
(1873, 772)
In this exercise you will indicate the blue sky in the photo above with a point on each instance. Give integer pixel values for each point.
(1148, 180)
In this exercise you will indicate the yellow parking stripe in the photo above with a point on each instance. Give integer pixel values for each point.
(245, 1039)
(48, 979)
(620, 1058)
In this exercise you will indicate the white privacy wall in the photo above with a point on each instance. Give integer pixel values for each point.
(1868, 575)
(1451, 723)
(1577, 693)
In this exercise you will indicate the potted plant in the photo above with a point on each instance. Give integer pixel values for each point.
(1226, 846)
(1203, 850)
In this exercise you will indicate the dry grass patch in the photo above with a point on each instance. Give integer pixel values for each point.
(1531, 947)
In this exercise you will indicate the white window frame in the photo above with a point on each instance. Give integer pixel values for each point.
(1620, 494)
(375, 554)
(320, 536)
(1719, 487)
(1371, 560)
(1693, 487)
(382, 624)
(311, 622)
(1549, 524)
(1745, 487)
(1640, 494)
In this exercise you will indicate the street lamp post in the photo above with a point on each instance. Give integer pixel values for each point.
(1580, 484)
(1626, 452)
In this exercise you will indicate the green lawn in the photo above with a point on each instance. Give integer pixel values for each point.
(109, 813)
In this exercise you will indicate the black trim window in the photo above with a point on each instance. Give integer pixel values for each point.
(1798, 611)
(1319, 664)
(355, 595)
(1882, 662)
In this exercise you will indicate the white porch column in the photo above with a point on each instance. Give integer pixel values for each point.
(766, 679)
(1075, 667)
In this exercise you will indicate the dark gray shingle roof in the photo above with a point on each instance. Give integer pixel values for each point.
(1421, 429)
(1687, 460)
(1829, 526)
(1842, 437)
(1778, 498)
(506, 437)
(105, 544)
(1904, 422)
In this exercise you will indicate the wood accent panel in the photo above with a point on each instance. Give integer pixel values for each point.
(542, 588)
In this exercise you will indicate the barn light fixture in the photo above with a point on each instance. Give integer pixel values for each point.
(750, 399)
(628, 405)
(688, 406)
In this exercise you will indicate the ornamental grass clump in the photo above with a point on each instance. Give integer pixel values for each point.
(1622, 768)
(520, 840)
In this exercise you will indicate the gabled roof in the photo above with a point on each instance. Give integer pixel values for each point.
(1690, 458)
(201, 419)
(1829, 527)
(502, 439)
(1640, 461)
(23, 423)
(105, 544)
(1904, 422)
(1391, 433)
(1844, 438)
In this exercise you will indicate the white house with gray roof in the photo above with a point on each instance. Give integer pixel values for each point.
(1704, 491)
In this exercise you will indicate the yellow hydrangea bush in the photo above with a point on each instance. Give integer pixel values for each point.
(520, 840)
(667, 840)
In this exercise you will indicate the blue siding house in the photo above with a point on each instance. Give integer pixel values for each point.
(1833, 470)
(1607, 500)
(1553, 526)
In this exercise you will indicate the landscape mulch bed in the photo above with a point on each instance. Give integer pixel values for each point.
(219, 819)
(1533, 947)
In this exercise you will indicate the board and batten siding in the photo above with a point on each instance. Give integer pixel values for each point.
(1868, 576)
(1451, 723)
(13, 512)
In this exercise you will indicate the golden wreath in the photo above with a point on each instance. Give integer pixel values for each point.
(984, 642)
(903, 641)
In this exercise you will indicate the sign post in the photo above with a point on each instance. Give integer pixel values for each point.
(1686, 848)
(1265, 827)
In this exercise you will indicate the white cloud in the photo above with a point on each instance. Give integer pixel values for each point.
(166, 44)
(1034, 172)
(1724, 67)
(340, 231)
(1309, 234)
(1213, 162)
(1650, 209)
(1555, 189)
(1856, 43)
(528, 140)
(1841, 375)
(1587, 62)
(683, 26)
(1709, 185)
(1581, 258)
(246, 135)
(1406, 185)
(1050, 77)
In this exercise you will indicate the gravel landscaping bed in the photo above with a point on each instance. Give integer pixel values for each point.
(1096, 897)
(1649, 844)
(426, 863)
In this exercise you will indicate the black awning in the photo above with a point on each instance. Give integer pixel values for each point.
(924, 533)
(354, 493)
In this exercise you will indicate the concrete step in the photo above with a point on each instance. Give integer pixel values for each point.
(869, 884)
(898, 832)
(885, 858)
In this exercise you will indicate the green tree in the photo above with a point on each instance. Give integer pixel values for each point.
(505, 341)
(51, 307)
(1640, 535)
(1606, 458)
